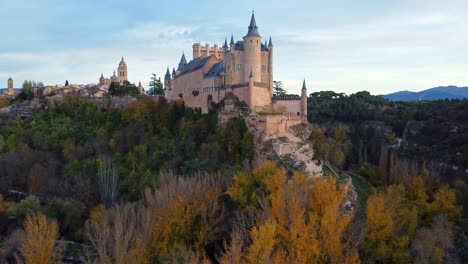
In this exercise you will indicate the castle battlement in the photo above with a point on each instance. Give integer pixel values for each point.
(206, 50)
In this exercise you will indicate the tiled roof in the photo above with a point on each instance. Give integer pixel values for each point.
(216, 70)
(194, 65)
(239, 45)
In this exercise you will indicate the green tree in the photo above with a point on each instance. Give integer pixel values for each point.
(127, 88)
(156, 86)
(278, 88)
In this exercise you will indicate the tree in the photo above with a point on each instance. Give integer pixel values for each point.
(263, 242)
(66, 83)
(121, 234)
(278, 88)
(29, 205)
(27, 90)
(39, 242)
(108, 181)
(127, 88)
(156, 86)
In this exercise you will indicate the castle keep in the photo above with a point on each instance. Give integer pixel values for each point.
(242, 68)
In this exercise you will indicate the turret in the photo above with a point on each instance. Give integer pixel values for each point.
(304, 102)
(167, 80)
(252, 51)
(270, 65)
(102, 80)
(173, 73)
(251, 85)
(225, 46)
(196, 50)
(182, 63)
(231, 44)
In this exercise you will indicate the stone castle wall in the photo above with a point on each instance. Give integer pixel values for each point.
(291, 107)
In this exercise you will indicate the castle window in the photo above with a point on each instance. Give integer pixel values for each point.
(250, 41)
(238, 67)
(264, 67)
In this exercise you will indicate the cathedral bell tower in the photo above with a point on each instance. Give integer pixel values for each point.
(122, 70)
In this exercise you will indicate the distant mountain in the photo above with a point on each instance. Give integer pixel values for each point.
(442, 92)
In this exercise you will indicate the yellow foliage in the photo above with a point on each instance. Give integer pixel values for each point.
(417, 192)
(325, 191)
(445, 203)
(379, 224)
(38, 245)
(263, 241)
(296, 229)
(266, 177)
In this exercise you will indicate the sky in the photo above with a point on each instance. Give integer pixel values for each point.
(339, 45)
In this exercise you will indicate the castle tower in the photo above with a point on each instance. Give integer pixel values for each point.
(304, 102)
(182, 63)
(270, 66)
(252, 52)
(10, 86)
(122, 72)
(196, 50)
(231, 44)
(167, 80)
(102, 80)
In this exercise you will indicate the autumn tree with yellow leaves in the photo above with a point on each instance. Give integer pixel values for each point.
(39, 244)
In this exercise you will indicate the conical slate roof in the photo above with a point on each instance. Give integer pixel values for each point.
(253, 29)
(168, 74)
(304, 85)
(182, 62)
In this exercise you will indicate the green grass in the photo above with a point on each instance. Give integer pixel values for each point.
(363, 187)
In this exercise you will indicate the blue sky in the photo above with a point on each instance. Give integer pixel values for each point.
(341, 45)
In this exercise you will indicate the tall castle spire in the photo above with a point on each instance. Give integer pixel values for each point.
(168, 74)
(182, 62)
(253, 29)
(304, 85)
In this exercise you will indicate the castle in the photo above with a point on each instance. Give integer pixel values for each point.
(243, 68)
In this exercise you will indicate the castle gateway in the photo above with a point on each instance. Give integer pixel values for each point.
(243, 68)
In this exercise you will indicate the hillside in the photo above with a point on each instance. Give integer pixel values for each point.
(443, 92)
